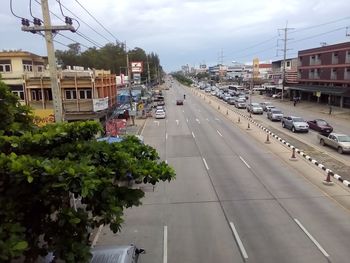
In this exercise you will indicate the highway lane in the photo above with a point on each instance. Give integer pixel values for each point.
(227, 183)
(269, 199)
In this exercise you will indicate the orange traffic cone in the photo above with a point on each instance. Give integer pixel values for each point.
(328, 180)
(293, 158)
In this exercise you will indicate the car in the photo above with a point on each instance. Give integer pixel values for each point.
(264, 104)
(160, 108)
(116, 254)
(179, 102)
(274, 114)
(108, 254)
(240, 103)
(160, 114)
(255, 108)
(277, 95)
(321, 126)
(231, 101)
(339, 141)
(295, 124)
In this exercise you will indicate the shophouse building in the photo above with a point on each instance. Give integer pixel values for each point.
(324, 75)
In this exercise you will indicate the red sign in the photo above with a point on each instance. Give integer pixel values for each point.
(115, 127)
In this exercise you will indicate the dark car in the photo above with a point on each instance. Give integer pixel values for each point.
(179, 102)
(321, 126)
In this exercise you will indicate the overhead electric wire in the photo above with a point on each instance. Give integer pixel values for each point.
(78, 33)
(317, 35)
(77, 17)
(97, 21)
(11, 8)
(72, 40)
(320, 25)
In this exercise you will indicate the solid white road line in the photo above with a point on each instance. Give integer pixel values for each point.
(311, 238)
(193, 135)
(219, 133)
(205, 163)
(143, 128)
(166, 136)
(240, 157)
(187, 120)
(97, 236)
(165, 245)
(198, 121)
(239, 241)
(177, 122)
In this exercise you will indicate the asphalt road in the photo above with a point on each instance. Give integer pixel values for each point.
(232, 201)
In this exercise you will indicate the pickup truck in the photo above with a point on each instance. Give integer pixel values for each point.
(341, 142)
(295, 124)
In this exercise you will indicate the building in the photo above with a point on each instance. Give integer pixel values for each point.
(13, 66)
(324, 75)
(86, 94)
(291, 72)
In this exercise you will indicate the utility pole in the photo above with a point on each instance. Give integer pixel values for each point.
(148, 74)
(129, 84)
(285, 39)
(48, 29)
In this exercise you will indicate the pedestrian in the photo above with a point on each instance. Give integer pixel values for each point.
(294, 101)
(330, 109)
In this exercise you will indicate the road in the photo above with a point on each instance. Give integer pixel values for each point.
(233, 199)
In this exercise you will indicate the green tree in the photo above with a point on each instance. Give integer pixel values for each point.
(41, 169)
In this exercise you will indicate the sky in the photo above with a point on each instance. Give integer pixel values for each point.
(185, 32)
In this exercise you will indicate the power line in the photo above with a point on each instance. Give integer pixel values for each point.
(320, 25)
(81, 20)
(317, 35)
(97, 21)
(78, 33)
(72, 40)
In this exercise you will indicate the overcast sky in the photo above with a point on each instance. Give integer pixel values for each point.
(189, 31)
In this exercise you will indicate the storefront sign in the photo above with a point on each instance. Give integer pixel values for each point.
(100, 104)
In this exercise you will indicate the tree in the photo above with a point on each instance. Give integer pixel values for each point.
(41, 169)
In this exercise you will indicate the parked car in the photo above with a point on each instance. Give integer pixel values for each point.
(321, 126)
(108, 254)
(295, 124)
(274, 114)
(179, 102)
(160, 114)
(264, 104)
(231, 101)
(277, 95)
(240, 103)
(255, 108)
(341, 142)
(269, 107)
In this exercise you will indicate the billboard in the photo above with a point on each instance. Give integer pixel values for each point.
(137, 67)
(100, 104)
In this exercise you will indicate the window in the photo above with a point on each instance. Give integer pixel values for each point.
(5, 68)
(288, 63)
(20, 94)
(40, 68)
(36, 95)
(70, 94)
(347, 57)
(27, 67)
(85, 94)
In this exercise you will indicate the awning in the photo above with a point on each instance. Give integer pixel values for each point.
(324, 90)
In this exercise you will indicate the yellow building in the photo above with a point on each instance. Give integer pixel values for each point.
(15, 64)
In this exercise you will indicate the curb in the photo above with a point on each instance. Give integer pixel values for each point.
(298, 151)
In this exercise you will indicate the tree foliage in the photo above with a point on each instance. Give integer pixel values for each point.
(182, 79)
(110, 57)
(41, 169)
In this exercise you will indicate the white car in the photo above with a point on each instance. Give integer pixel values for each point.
(160, 114)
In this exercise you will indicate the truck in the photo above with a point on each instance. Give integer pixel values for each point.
(295, 124)
(339, 141)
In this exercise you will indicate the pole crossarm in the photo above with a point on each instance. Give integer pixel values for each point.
(45, 28)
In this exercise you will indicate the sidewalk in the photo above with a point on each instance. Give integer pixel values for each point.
(337, 112)
(137, 128)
